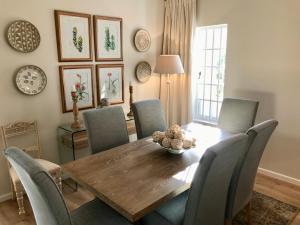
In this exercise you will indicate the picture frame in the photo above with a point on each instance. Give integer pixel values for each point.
(110, 82)
(108, 37)
(80, 78)
(73, 36)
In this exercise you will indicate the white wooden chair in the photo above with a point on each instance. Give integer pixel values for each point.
(19, 134)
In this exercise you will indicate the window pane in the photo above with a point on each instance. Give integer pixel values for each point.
(215, 75)
(207, 92)
(198, 108)
(224, 37)
(220, 92)
(202, 38)
(201, 75)
(208, 75)
(214, 111)
(209, 38)
(214, 93)
(217, 38)
(206, 109)
(208, 58)
(216, 58)
(222, 57)
(200, 89)
(201, 58)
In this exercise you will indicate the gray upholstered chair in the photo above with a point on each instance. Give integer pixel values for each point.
(242, 183)
(237, 115)
(205, 203)
(106, 128)
(47, 202)
(149, 116)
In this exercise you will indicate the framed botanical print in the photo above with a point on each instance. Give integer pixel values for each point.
(77, 78)
(108, 38)
(74, 36)
(110, 82)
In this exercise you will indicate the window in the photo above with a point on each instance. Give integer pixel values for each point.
(208, 72)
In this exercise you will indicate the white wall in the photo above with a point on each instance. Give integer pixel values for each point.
(46, 107)
(263, 56)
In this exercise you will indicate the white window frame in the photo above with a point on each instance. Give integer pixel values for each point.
(200, 104)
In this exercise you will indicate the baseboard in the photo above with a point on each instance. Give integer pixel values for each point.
(279, 176)
(5, 197)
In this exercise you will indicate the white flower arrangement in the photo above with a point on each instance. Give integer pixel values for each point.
(173, 138)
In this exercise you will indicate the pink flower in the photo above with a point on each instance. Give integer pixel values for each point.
(77, 85)
(109, 74)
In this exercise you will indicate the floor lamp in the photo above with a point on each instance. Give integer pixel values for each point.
(168, 64)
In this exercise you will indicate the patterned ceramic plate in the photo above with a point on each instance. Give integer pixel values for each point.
(143, 72)
(23, 36)
(142, 40)
(31, 80)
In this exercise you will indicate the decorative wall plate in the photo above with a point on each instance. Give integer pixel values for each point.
(23, 36)
(143, 72)
(31, 80)
(142, 40)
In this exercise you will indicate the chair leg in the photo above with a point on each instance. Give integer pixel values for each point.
(228, 222)
(20, 200)
(248, 208)
(12, 187)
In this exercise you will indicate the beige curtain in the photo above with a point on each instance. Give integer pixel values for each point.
(180, 16)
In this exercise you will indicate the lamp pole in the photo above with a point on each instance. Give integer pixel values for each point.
(168, 98)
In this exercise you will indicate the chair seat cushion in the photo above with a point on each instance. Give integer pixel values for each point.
(97, 212)
(52, 168)
(170, 213)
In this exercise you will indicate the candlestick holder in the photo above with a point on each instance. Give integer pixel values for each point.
(76, 124)
(130, 114)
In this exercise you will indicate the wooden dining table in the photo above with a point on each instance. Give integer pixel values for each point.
(137, 177)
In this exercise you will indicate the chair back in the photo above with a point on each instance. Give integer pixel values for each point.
(237, 115)
(243, 179)
(47, 202)
(106, 128)
(208, 194)
(23, 135)
(149, 117)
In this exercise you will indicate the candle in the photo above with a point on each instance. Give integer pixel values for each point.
(74, 88)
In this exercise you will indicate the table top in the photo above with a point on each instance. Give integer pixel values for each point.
(137, 177)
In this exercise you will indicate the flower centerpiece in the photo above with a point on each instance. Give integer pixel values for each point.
(174, 139)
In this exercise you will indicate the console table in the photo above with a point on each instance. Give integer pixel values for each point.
(73, 143)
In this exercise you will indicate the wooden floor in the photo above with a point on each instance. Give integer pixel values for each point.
(282, 191)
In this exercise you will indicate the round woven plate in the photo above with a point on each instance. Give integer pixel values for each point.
(143, 72)
(31, 80)
(23, 36)
(142, 40)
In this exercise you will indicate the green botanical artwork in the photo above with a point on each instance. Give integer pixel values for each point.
(112, 85)
(77, 41)
(109, 41)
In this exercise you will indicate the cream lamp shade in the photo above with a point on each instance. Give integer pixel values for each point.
(168, 64)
